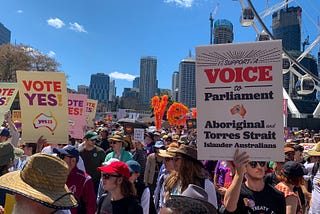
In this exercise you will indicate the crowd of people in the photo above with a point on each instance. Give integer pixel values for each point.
(109, 172)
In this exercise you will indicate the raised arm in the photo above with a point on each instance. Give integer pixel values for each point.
(240, 159)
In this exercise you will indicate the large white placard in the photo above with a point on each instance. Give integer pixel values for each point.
(239, 100)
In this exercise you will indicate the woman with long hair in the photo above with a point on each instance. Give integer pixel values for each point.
(188, 170)
(115, 178)
(291, 176)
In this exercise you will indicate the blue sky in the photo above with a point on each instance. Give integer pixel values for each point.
(110, 36)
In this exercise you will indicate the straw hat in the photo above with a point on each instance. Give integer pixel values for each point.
(193, 200)
(117, 136)
(170, 152)
(315, 151)
(43, 179)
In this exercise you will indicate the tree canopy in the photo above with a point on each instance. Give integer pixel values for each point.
(23, 57)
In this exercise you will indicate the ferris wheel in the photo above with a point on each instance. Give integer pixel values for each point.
(307, 81)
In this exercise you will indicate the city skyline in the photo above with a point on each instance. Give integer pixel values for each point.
(111, 36)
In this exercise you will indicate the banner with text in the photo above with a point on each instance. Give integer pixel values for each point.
(91, 112)
(44, 106)
(16, 117)
(77, 104)
(8, 92)
(239, 100)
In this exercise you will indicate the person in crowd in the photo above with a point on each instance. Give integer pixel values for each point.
(122, 192)
(103, 196)
(314, 176)
(139, 155)
(253, 195)
(118, 143)
(92, 156)
(289, 153)
(7, 157)
(153, 165)
(168, 156)
(291, 176)
(223, 175)
(188, 170)
(9, 132)
(298, 153)
(40, 187)
(79, 182)
(143, 192)
(272, 178)
(193, 199)
(28, 150)
(104, 143)
(149, 142)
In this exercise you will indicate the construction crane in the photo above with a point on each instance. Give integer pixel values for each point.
(211, 18)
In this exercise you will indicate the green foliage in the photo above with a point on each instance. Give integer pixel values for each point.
(22, 57)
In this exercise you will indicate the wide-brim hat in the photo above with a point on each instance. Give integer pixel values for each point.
(118, 137)
(43, 179)
(193, 200)
(315, 151)
(8, 153)
(170, 152)
(188, 151)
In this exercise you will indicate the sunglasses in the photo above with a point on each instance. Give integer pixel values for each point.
(254, 164)
(63, 156)
(107, 176)
(168, 159)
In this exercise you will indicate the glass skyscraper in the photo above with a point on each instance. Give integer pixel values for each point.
(99, 87)
(187, 82)
(223, 31)
(148, 79)
(5, 35)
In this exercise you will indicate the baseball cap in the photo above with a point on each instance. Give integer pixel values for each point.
(4, 132)
(68, 150)
(91, 135)
(118, 167)
(159, 144)
(134, 166)
(292, 168)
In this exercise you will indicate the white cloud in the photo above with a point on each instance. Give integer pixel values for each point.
(51, 54)
(19, 11)
(76, 27)
(182, 3)
(117, 75)
(56, 23)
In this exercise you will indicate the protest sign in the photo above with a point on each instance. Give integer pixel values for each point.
(16, 117)
(8, 92)
(44, 106)
(239, 100)
(77, 104)
(138, 135)
(91, 112)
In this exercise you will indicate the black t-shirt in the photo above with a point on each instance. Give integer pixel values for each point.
(271, 179)
(267, 201)
(127, 205)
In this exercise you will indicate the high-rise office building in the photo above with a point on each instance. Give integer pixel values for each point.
(83, 89)
(223, 31)
(175, 86)
(5, 35)
(286, 25)
(99, 87)
(148, 79)
(187, 82)
(112, 91)
(135, 83)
